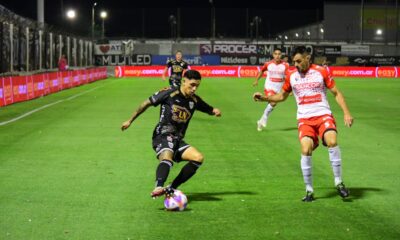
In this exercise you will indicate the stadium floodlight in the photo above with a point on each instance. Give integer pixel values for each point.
(71, 14)
(297, 35)
(379, 32)
(322, 30)
(103, 15)
(308, 33)
(286, 38)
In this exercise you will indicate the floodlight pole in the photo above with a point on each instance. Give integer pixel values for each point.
(40, 12)
(94, 5)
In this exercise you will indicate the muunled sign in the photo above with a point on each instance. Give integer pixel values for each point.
(119, 60)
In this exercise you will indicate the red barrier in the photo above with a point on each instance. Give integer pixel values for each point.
(7, 91)
(65, 79)
(23, 88)
(54, 82)
(251, 71)
(30, 87)
(38, 85)
(75, 78)
(1, 92)
(19, 89)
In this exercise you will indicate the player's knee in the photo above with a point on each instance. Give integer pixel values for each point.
(306, 150)
(331, 143)
(198, 157)
(273, 104)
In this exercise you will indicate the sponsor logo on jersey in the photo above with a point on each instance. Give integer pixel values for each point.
(177, 68)
(191, 104)
(180, 114)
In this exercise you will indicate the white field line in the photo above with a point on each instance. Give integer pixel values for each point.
(48, 105)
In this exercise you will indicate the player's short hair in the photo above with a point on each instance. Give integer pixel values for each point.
(300, 50)
(192, 74)
(178, 51)
(278, 49)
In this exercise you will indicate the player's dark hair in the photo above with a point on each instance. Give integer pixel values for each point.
(178, 51)
(192, 74)
(300, 50)
(278, 49)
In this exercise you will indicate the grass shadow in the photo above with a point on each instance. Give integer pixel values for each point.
(165, 210)
(355, 193)
(214, 196)
(284, 129)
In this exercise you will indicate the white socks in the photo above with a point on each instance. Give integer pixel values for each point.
(336, 163)
(267, 111)
(306, 168)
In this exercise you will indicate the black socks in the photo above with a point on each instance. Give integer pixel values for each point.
(186, 173)
(162, 172)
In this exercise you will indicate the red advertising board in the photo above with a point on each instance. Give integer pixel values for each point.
(30, 87)
(7, 91)
(22, 88)
(38, 85)
(75, 77)
(46, 81)
(248, 71)
(84, 77)
(19, 88)
(65, 79)
(251, 71)
(352, 71)
(54, 82)
(1, 92)
(217, 71)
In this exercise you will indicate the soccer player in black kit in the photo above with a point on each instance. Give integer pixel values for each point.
(177, 66)
(178, 105)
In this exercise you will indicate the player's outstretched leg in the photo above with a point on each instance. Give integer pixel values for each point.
(195, 159)
(336, 162)
(306, 167)
(186, 173)
(161, 176)
(262, 123)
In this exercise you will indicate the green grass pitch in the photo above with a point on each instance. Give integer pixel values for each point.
(68, 172)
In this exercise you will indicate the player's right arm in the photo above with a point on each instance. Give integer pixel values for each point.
(259, 75)
(164, 73)
(136, 114)
(279, 97)
(166, 70)
(156, 99)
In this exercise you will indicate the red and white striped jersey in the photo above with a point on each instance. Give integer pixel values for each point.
(275, 73)
(310, 90)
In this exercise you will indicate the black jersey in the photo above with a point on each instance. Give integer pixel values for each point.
(176, 111)
(177, 68)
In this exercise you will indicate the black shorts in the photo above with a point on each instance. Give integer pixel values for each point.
(170, 143)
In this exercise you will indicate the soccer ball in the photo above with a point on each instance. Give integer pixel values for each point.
(177, 202)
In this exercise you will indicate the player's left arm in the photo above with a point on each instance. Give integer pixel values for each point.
(348, 119)
(136, 114)
(202, 106)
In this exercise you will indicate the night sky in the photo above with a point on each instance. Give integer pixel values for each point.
(126, 17)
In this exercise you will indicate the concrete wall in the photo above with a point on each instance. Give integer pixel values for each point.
(343, 22)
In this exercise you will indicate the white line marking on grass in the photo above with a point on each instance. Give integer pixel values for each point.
(48, 105)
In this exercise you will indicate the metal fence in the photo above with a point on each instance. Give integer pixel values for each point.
(28, 46)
